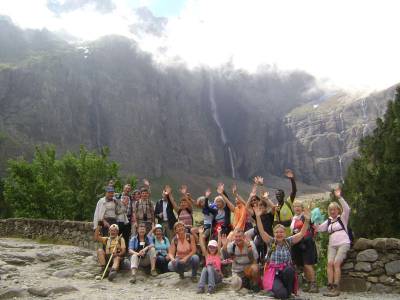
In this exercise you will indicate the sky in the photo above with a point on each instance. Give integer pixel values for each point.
(349, 44)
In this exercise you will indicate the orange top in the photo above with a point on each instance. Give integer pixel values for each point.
(240, 216)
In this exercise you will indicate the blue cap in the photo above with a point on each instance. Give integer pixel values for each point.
(109, 189)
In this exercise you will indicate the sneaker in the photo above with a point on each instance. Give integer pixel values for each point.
(181, 275)
(112, 275)
(211, 290)
(313, 288)
(194, 279)
(153, 273)
(329, 287)
(133, 279)
(335, 292)
(200, 290)
(306, 287)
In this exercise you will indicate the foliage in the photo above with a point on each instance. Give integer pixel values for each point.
(51, 188)
(372, 182)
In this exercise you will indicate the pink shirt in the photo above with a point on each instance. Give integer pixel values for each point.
(337, 236)
(214, 260)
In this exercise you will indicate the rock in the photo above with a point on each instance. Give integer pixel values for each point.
(398, 276)
(362, 244)
(83, 275)
(46, 256)
(373, 279)
(64, 273)
(358, 274)
(393, 243)
(39, 291)
(11, 293)
(348, 266)
(393, 267)
(15, 261)
(351, 284)
(369, 255)
(380, 288)
(8, 268)
(64, 289)
(379, 243)
(378, 264)
(383, 278)
(363, 267)
(377, 272)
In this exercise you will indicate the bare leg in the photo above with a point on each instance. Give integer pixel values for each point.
(101, 257)
(330, 272)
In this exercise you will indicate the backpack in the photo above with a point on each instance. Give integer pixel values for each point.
(349, 231)
(233, 251)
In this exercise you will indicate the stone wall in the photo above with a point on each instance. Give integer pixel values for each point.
(372, 265)
(70, 232)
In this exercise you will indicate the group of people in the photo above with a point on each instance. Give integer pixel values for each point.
(266, 242)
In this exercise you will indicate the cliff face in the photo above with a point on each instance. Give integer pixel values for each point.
(162, 120)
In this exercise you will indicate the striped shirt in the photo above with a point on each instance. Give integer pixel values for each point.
(241, 259)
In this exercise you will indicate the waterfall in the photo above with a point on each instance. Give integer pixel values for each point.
(341, 123)
(221, 130)
(365, 117)
(340, 168)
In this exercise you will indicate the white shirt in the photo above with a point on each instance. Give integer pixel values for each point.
(164, 208)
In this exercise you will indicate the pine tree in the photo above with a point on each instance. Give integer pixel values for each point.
(372, 183)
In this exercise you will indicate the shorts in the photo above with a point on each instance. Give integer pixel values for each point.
(338, 253)
(305, 252)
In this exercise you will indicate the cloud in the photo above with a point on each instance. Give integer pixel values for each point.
(350, 44)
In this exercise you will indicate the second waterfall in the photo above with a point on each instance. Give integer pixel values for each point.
(221, 130)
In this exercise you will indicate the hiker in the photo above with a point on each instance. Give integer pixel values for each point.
(182, 252)
(143, 209)
(161, 245)
(106, 211)
(339, 241)
(135, 197)
(284, 211)
(114, 246)
(185, 208)
(244, 260)
(222, 212)
(123, 203)
(279, 275)
(240, 214)
(304, 253)
(211, 273)
(164, 212)
(142, 252)
(208, 213)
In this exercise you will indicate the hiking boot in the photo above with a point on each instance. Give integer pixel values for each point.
(133, 279)
(112, 275)
(306, 287)
(181, 275)
(329, 287)
(211, 290)
(194, 279)
(200, 290)
(153, 273)
(335, 292)
(313, 288)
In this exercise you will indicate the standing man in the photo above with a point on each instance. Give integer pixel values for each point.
(135, 197)
(123, 215)
(284, 210)
(106, 211)
(143, 209)
(164, 212)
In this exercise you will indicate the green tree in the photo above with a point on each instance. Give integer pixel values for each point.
(51, 188)
(372, 181)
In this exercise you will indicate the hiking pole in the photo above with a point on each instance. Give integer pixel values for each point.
(111, 256)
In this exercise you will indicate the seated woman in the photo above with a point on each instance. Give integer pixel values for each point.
(339, 241)
(211, 273)
(279, 275)
(114, 246)
(304, 253)
(182, 252)
(161, 246)
(142, 252)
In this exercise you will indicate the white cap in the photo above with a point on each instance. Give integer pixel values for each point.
(213, 243)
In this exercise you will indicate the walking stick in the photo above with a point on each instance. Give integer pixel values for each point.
(111, 256)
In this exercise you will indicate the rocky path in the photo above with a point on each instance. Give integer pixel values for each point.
(29, 270)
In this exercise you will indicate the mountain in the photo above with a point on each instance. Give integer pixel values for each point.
(160, 121)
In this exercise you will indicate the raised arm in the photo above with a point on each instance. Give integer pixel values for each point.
(202, 241)
(345, 207)
(237, 196)
(298, 236)
(146, 183)
(97, 236)
(264, 235)
(252, 194)
(289, 174)
(170, 197)
(221, 192)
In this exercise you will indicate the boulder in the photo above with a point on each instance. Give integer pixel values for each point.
(379, 243)
(39, 291)
(11, 293)
(380, 288)
(351, 284)
(363, 267)
(347, 266)
(369, 255)
(373, 279)
(362, 244)
(393, 243)
(392, 267)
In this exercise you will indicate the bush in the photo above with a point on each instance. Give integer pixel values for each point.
(51, 188)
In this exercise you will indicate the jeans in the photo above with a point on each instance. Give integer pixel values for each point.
(180, 268)
(209, 275)
(161, 264)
